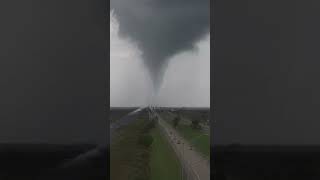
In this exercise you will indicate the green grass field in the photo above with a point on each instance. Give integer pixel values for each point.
(200, 143)
(197, 138)
(163, 161)
(128, 159)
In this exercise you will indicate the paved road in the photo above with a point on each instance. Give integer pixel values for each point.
(190, 158)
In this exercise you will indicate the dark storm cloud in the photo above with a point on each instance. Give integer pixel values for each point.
(52, 71)
(162, 28)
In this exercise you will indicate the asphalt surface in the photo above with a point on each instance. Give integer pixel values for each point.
(197, 166)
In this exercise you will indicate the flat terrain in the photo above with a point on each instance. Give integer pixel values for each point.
(163, 161)
(195, 165)
(128, 159)
(199, 138)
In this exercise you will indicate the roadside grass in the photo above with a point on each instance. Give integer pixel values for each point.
(128, 159)
(197, 138)
(163, 161)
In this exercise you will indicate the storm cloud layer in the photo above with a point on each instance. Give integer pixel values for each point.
(162, 29)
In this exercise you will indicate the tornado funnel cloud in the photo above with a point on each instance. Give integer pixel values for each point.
(162, 29)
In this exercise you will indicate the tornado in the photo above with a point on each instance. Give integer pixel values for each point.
(161, 29)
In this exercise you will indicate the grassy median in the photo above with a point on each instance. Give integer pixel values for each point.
(128, 159)
(140, 152)
(163, 161)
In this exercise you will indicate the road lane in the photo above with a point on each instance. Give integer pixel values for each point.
(191, 159)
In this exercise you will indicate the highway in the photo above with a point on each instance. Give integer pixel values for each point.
(195, 166)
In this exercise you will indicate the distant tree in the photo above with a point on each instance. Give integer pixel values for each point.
(195, 124)
(176, 121)
(204, 116)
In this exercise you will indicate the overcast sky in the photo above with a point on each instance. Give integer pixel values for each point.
(186, 81)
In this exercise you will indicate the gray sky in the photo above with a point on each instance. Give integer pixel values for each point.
(186, 80)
